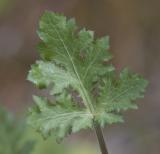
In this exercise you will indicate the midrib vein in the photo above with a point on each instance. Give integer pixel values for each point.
(87, 99)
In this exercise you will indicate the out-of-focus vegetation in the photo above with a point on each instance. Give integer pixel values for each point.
(12, 133)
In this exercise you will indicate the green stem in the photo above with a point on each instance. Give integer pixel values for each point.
(100, 138)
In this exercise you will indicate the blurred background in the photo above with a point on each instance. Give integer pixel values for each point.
(134, 30)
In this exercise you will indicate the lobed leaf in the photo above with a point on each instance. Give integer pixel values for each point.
(62, 119)
(72, 59)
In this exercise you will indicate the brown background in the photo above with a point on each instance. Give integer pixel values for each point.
(134, 30)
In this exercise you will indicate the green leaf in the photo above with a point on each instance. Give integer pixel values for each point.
(62, 119)
(46, 73)
(118, 94)
(73, 61)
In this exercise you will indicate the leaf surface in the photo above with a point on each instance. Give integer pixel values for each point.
(73, 60)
